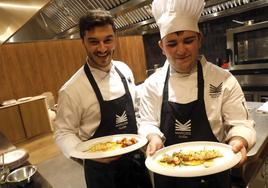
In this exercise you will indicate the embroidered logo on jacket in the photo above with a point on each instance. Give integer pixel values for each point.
(183, 130)
(121, 121)
(214, 91)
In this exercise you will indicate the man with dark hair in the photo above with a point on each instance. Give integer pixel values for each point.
(91, 100)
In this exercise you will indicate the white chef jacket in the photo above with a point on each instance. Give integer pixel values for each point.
(78, 112)
(225, 107)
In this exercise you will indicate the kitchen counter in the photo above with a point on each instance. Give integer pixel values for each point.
(24, 100)
(258, 153)
(25, 119)
(261, 125)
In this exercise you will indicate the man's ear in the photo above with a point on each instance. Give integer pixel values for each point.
(160, 43)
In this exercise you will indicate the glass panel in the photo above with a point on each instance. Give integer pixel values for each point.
(251, 47)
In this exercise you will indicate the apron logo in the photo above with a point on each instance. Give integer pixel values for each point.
(214, 91)
(183, 130)
(121, 121)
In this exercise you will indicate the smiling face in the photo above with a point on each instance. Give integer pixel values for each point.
(99, 43)
(181, 50)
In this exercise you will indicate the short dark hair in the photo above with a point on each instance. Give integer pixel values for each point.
(95, 18)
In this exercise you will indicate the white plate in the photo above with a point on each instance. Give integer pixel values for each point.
(220, 164)
(14, 158)
(24, 99)
(81, 150)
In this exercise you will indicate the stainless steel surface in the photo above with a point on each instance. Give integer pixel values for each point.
(15, 13)
(259, 52)
(217, 9)
(60, 18)
(22, 175)
(261, 124)
(253, 80)
(254, 83)
(249, 67)
(257, 96)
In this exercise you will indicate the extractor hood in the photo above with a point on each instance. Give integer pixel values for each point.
(59, 18)
(15, 13)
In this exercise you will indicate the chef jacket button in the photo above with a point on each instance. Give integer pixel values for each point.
(202, 181)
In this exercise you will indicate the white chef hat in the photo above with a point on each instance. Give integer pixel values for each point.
(177, 15)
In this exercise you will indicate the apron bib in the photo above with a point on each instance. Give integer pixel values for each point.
(129, 170)
(184, 123)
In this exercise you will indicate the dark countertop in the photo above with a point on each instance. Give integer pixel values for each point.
(38, 181)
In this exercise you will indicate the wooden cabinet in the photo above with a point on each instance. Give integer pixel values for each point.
(24, 120)
(11, 124)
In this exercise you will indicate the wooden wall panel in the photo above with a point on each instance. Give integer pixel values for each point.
(29, 69)
(32, 68)
(20, 67)
(5, 87)
(130, 49)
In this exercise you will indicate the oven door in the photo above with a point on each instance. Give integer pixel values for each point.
(249, 46)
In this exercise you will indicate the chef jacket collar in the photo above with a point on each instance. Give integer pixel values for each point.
(173, 72)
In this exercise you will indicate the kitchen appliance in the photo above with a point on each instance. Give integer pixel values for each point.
(249, 46)
(254, 83)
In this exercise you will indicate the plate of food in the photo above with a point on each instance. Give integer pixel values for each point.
(108, 146)
(193, 159)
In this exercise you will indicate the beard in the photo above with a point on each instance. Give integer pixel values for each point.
(100, 60)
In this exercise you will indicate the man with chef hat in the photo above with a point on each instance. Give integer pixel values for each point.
(191, 99)
(98, 101)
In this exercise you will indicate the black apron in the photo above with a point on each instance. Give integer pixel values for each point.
(129, 170)
(184, 123)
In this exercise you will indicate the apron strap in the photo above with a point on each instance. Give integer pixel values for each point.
(200, 81)
(165, 90)
(123, 79)
(93, 83)
(125, 85)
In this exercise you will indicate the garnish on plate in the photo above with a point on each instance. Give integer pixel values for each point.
(191, 158)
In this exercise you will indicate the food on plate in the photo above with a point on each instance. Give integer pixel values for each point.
(191, 158)
(127, 142)
(109, 146)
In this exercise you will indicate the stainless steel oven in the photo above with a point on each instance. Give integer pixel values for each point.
(248, 46)
(254, 83)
